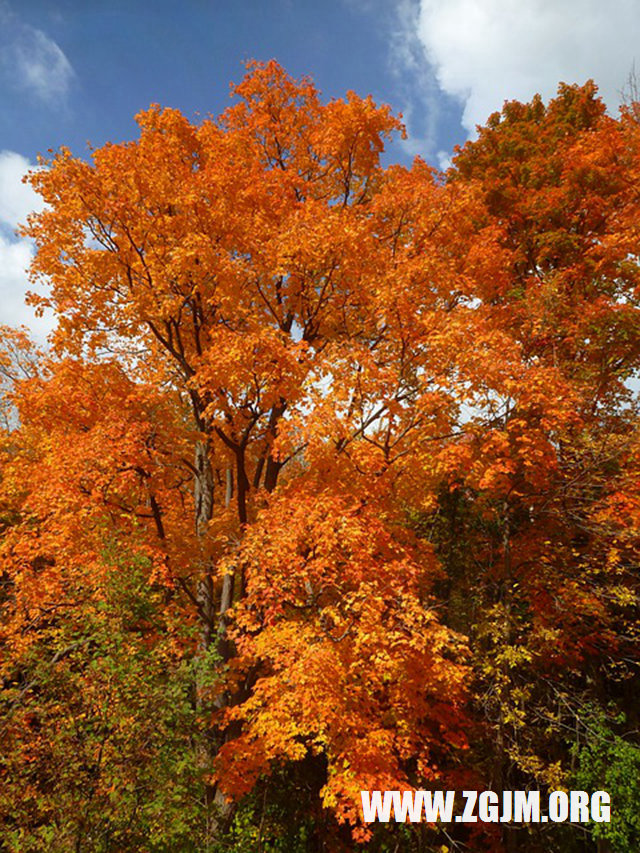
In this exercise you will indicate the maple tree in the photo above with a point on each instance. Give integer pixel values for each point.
(241, 288)
(331, 473)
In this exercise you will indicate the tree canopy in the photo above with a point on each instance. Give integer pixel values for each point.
(329, 481)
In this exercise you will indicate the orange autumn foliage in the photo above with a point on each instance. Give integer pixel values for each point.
(369, 429)
(254, 307)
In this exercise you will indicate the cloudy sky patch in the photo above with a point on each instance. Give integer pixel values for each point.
(17, 200)
(40, 66)
(31, 62)
(484, 52)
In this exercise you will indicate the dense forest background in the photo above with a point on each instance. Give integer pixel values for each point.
(330, 481)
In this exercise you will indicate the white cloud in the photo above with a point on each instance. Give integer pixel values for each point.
(17, 200)
(487, 51)
(15, 257)
(31, 61)
(41, 66)
(417, 84)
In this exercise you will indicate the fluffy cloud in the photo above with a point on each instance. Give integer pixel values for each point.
(414, 79)
(41, 66)
(30, 61)
(17, 200)
(487, 51)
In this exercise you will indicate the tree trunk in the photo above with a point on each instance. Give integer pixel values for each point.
(203, 499)
(205, 747)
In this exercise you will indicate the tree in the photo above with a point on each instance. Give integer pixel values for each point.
(548, 446)
(257, 305)
(339, 463)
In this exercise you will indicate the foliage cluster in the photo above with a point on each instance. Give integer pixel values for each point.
(329, 482)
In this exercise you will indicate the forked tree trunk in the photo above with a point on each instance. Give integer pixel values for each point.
(214, 622)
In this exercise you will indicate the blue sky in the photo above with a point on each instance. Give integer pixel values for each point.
(118, 57)
(73, 72)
